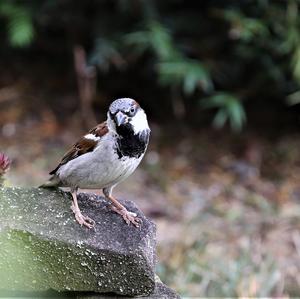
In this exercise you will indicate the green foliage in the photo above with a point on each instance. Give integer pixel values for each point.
(104, 54)
(155, 37)
(172, 66)
(186, 72)
(19, 23)
(207, 49)
(244, 28)
(229, 108)
(294, 98)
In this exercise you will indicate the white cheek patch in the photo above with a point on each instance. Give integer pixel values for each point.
(91, 137)
(139, 122)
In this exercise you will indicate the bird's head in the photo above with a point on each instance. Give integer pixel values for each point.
(126, 114)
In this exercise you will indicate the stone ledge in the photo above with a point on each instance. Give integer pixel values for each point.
(43, 248)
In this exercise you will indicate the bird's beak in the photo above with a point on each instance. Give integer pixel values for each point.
(120, 119)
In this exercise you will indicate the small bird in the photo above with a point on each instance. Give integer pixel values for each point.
(104, 157)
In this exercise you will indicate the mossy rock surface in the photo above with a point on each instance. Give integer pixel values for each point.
(42, 248)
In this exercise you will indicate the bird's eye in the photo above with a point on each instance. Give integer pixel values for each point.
(132, 110)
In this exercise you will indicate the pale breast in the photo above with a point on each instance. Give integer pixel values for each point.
(98, 169)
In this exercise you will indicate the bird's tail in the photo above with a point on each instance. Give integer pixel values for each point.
(53, 182)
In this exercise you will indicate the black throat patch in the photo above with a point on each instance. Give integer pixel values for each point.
(130, 144)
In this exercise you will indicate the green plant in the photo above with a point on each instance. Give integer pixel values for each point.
(19, 23)
(172, 66)
(185, 51)
(229, 108)
(188, 73)
(245, 28)
(156, 38)
(174, 69)
(105, 54)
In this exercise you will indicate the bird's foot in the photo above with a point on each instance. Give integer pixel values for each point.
(129, 217)
(83, 220)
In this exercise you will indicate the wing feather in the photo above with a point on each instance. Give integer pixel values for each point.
(83, 145)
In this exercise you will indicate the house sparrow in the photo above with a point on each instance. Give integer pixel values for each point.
(104, 157)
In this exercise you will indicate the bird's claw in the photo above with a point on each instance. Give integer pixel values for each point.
(129, 217)
(83, 220)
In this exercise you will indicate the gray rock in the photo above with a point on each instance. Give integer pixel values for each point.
(161, 292)
(43, 248)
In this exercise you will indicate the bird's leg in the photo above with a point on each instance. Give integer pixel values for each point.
(82, 220)
(129, 217)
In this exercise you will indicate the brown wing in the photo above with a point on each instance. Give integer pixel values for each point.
(99, 130)
(83, 145)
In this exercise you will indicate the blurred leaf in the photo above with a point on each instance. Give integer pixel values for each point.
(196, 75)
(155, 37)
(139, 39)
(243, 27)
(220, 118)
(173, 67)
(230, 108)
(294, 98)
(105, 54)
(296, 63)
(161, 41)
(190, 73)
(20, 26)
(236, 114)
